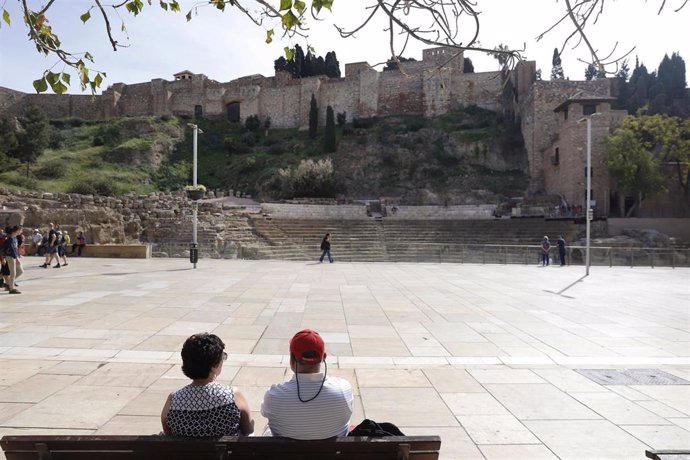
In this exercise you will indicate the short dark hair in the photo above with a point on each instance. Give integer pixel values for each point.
(15, 228)
(200, 353)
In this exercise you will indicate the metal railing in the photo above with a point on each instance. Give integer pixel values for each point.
(479, 254)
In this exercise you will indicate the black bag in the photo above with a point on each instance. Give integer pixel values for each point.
(375, 430)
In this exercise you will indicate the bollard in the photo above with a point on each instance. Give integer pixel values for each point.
(193, 253)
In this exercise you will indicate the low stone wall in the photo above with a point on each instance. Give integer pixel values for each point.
(124, 251)
(677, 228)
(458, 212)
(314, 211)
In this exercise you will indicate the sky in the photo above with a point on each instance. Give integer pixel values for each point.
(226, 46)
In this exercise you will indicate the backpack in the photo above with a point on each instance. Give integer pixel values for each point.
(375, 430)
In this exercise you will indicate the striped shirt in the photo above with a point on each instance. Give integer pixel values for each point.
(325, 416)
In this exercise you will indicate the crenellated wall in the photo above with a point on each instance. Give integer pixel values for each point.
(428, 87)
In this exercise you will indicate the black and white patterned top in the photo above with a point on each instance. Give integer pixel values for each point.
(204, 411)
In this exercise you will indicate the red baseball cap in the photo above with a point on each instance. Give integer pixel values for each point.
(307, 346)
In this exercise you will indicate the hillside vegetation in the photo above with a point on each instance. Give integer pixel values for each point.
(450, 158)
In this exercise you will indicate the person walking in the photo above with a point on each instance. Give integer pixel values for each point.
(561, 249)
(545, 247)
(10, 250)
(326, 248)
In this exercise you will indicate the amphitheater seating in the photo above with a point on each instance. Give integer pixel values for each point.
(377, 240)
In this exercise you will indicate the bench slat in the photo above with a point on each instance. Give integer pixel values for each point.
(230, 448)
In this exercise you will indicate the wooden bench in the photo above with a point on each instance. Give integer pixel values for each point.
(29, 447)
(668, 454)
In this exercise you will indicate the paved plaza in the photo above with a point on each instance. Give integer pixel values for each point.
(489, 357)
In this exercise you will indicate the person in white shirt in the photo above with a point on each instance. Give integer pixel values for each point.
(311, 405)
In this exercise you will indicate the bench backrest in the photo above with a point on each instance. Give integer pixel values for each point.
(226, 448)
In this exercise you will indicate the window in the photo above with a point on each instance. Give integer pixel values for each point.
(589, 109)
(233, 112)
(565, 113)
(591, 172)
(556, 158)
(198, 111)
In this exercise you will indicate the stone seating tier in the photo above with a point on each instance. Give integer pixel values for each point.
(403, 240)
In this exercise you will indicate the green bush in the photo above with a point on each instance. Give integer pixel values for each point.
(53, 169)
(93, 186)
(364, 123)
(172, 176)
(276, 149)
(18, 178)
(55, 139)
(311, 179)
(107, 135)
(249, 139)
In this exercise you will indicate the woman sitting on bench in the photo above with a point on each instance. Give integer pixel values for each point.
(204, 408)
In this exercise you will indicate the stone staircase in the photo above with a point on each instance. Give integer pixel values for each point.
(378, 240)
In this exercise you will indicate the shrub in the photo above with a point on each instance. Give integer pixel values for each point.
(276, 149)
(55, 139)
(107, 135)
(19, 179)
(252, 123)
(364, 123)
(172, 176)
(165, 118)
(93, 186)
(315, 179)
(53, 169)
(248, 139)
(341, 118)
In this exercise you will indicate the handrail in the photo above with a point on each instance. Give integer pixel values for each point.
(405, 251)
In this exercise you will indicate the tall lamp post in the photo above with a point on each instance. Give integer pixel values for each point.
(589, 213)
(194, 244)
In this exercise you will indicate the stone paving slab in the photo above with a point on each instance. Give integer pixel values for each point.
(486, 356)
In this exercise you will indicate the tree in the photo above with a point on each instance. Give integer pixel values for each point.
(467, 66)
(329, 138)
(432, 22)
(593, 73)
(8, 137)
(500, 55)
(672, 75)
(313, 117)
(632, 166)
(267, 126)
(394, 62)
(557, 69)
(33, 138)
(641, 145)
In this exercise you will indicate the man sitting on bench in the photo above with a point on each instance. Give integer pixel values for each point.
(311, 405)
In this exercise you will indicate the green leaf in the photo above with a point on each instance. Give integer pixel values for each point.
(6, 16)
(290, 21)
(174, 6)
(269, 35)
(58, 87)
(65, 77)
(164, 5)
(285, 5)
(41, 85)
(189, 16)
(86, 16)
(88, 56)
(289, 53)
(98, 80)
(52, 78)
(300, 6)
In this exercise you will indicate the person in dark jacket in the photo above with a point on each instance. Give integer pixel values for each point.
(11, 252)
(561, 249)
(326, 248)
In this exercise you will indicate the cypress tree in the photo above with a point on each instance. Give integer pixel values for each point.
(313, 117)
(329, 139)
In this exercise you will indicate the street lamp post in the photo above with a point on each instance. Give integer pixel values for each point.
(194, 244)
(589, 213)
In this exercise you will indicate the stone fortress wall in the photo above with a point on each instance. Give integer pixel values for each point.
(428, 87)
